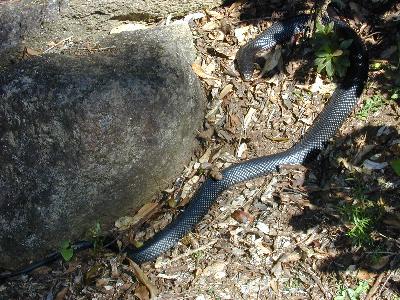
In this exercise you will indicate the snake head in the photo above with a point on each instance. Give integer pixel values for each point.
(245, 62)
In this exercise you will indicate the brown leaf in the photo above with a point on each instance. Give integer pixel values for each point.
(141, 276)
(31, 52)
(242, 216)
(392, 221)
(128, 221)
(290, 257)
(209, 26)
(92, 273)
(225, 91)
(142, 293)
(215, 174)
(365, 275)
(200, 72)
(61, 294)
(381, 262)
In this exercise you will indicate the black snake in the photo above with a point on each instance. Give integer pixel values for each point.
(324, 127)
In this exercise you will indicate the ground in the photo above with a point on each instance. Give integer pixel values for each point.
(326, 230)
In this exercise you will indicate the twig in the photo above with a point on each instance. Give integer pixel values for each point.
(188, 253)
(375, 287)
(57, 44)
(383, 285)
(98, 49)
(317, 281)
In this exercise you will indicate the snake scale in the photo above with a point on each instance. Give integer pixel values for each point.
(324, 127)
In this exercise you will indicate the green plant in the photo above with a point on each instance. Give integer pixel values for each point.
(362, 215)
(332, 51)
(198, 255)
(371, 105)
(362, 227)
(353, 294)
(396, 166)
(395, 93)
(96, 236)
(66, 250)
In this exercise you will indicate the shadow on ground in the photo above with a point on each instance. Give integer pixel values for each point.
(385, 236)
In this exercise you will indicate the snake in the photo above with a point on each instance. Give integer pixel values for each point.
(333, 115)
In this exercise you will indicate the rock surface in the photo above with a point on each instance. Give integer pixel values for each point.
(83, 139)
(37, 23)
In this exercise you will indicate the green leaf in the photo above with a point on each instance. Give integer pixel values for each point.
(346, 44)
(338, 52)
(321, 63)
(330, 27)
(321, 53)
(396, 166)
(67, 254)
(340, 70)
(329, 68)
(320, 27)
(65, 244)
(66, 250)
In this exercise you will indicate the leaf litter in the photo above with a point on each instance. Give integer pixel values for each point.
(277, 237)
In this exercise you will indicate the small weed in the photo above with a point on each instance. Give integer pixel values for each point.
(332, 52)
(198, 255)
(293, 284)
(66, 250)
(371, 105)
(352, 294)
(396, 166)
(395, 94)
(96, 236)
(362, 215)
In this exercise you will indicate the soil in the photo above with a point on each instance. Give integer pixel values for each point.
(289, 235)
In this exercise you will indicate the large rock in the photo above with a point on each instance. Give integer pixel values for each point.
(36, 23)
(86, 138)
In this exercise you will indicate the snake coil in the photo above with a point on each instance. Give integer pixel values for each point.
(324, 127)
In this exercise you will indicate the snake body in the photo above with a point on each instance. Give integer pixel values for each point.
(330, 119)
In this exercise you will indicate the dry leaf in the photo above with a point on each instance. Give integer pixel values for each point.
(372, 165)
(273, 283)
(261, 248)
(209, 26)
(215, 14)
(31, 52)
(143, 279)
(142, 293)
(365, 275)
(290, 257)
(319, 87)
(264, 228)
(216, 174)
(217, 270)
(392, 221)
(241, 149)
(102, 282)
(381, 262)
(200, 72)
(225, 91)
(61, 294)
(128, 221)
(248, 117)
(240, 34)
(242, 216)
